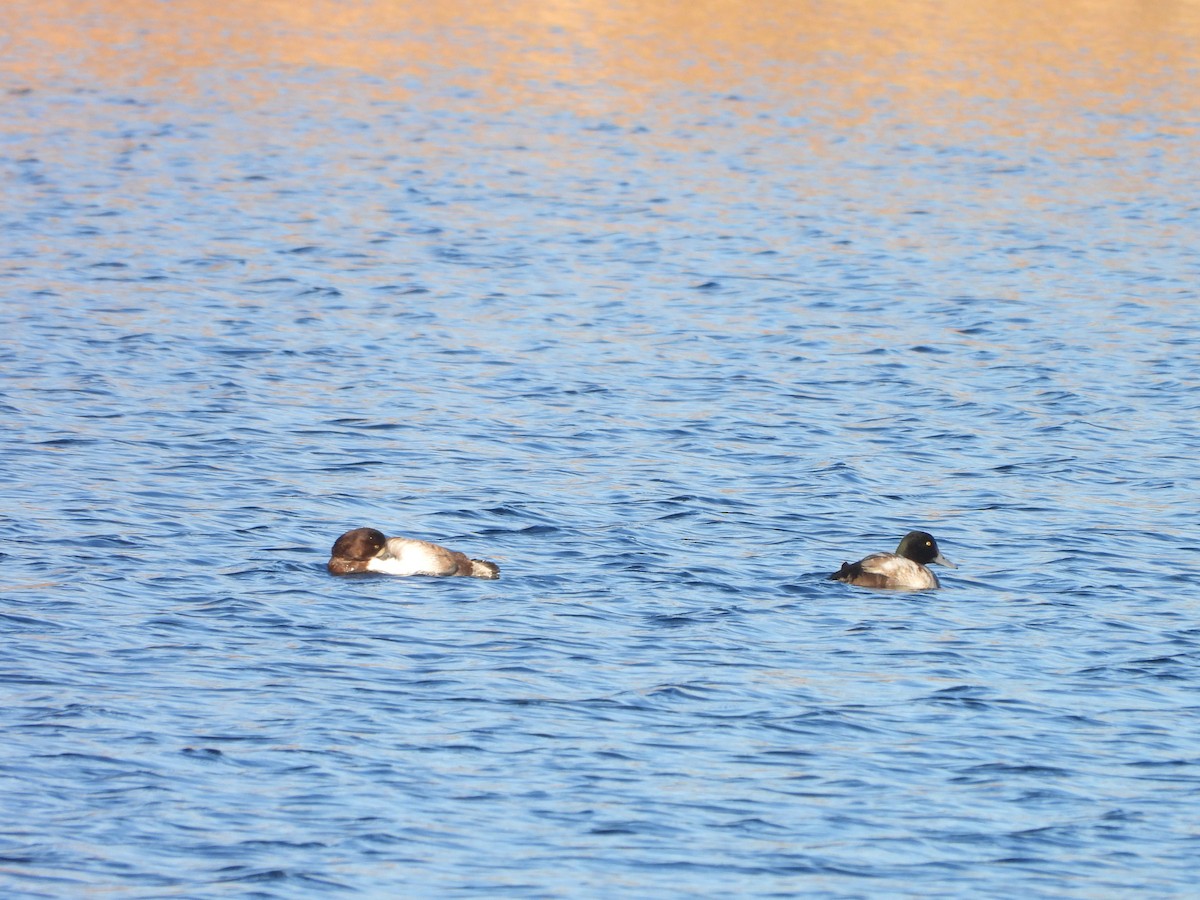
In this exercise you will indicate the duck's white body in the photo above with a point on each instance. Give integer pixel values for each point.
(895, 572)
(409, 556)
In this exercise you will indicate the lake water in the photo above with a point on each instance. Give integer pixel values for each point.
(668, 308)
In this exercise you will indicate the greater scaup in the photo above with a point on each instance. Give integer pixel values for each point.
(367, 550)
(903, 570)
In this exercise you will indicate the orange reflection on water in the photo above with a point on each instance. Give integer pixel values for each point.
(922, 59)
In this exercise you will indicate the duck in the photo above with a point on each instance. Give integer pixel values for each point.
(368, 550)
(904, 570)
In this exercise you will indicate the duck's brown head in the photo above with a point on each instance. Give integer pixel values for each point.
(354, 550)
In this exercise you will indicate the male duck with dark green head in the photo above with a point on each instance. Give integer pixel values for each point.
(904, 570)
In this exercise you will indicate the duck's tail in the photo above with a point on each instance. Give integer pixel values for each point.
(472, 568)
(846, 573)
(481, 568)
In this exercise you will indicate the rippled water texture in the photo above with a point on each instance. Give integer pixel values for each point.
(669, 308)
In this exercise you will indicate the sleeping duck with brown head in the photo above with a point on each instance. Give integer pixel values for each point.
(369, 550)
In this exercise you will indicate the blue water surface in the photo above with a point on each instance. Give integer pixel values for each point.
(669, 364)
